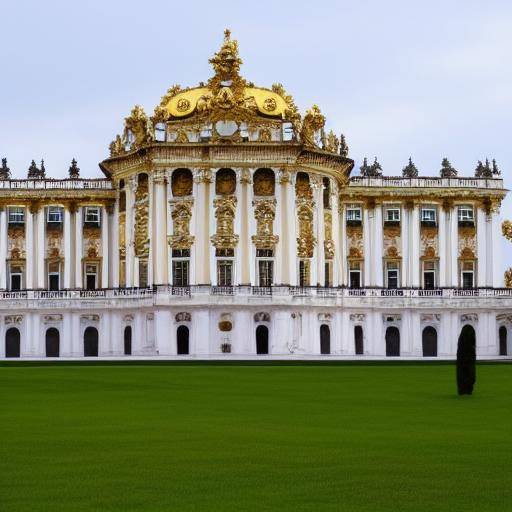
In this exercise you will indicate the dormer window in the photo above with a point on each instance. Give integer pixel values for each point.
(16, 215)
(466, 215)
(92, 216)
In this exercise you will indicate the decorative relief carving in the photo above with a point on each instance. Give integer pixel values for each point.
(357, 317)
(142, 217)
(430, 318)
(467, 241)
(122, 235)
(137, 128)
(181, 215)
(328, 241)
(51, 319)
(16, 243)
(355, 241)
(324, 317)
(13, 319)
(312, 126)
(306, 240)
(429, 243)
(128, 318)
(262, 317)
(303, 187)
(225, 182)
(265, 212)
(89, 318)
(183, 317)
(91, 243)
(203, 176)
(225, 209)
(507, 233)
(470, 317)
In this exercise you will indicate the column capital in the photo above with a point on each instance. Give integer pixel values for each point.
(34, 207)
(244, 176)
(202, 175)
(159, 177)
(109, 206)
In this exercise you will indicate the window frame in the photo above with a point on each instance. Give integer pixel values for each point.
(388, 270)
(428, 209)
(87, 212)
(467, 218)
(51, 210)
(394, 209)
(15, 211)
(354, 209)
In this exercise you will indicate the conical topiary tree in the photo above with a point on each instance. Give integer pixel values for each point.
(466, 361)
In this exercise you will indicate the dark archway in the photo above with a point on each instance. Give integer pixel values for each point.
(466, 360)
(325, 339)
(181, 182)
(182, 335)
(392, 342)
(12, 342)
(52, 342)
(429, 342)
(262, 339)
(128, 340)
(503, 340)
(91, 342)
(358, 338)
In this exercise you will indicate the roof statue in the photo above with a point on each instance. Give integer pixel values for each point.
(343, 146)
(371, 171)
(34, 172)
(5, 172)
(447, 171)
(410, 170)
(74, 170)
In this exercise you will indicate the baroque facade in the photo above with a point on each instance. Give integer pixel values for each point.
(228, 225)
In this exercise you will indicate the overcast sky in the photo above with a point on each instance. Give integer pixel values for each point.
(398, 78)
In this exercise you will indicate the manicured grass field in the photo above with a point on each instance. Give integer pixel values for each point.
(243, 438)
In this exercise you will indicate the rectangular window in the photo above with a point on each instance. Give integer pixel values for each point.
(354, 274)
(143, 273)
(392, 215)
(16, 215)
(468, 274)
(429, 275)
(54, 215)
(16, 275)
(265, 272)
(225, 273)
(181, 253)
(354, 214)
(466, 214)
(53, 276)
(91, 276)
(428, 215)
(180, 272)
(122, 273)
(393, 274)
(328, 280)
(304, 272)
(92, 215)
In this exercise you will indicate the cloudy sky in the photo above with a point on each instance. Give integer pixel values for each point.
(399, 78)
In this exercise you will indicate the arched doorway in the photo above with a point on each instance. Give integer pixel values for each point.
(392, 342)
(358, 338)
(325, 339)
(52, 342)
(182, 336)
(128, 340)
(12, 342)
(91, 342)
(503, 340)
(429, 341)
(262, 339)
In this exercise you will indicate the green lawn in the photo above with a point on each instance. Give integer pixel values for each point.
(238, 438)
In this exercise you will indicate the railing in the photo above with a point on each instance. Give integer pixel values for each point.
(66, 184)
(294, 292)
(425, 182)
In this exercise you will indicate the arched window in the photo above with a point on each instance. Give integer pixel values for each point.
(503, 340)
(128, 340)
(392, 342)
(429, 342)
(302, 185)
(182, 335)
(325, 339)
(358, 338)
(12, 342)
(91, 342)
(181, 182)
(225, 182)
(52, 342)
(262, 339)
(264, 182)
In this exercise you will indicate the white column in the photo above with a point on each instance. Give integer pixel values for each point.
(494, 258)
(414, 230)
(278, 223)
(67, 248)
(288, 238)
(114, 248)
(343, 246)
(318, 262)
(378, 245)
(105, 223)
(442, 246)
(78, 247)
(163, 322)
(453, 248)
(29, 249)
(336, 238)
(3, 248)
(481, 246)
(130, 187)
(244, 209)
(202, 206)
(405, 246)
(40, 252)
(159, 238)
(66, 336)
(367, 247)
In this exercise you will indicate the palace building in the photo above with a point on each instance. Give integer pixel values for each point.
(228, 225)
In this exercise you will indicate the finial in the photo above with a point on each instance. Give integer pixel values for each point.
(43, 170)
(227, 34)
(343, 146)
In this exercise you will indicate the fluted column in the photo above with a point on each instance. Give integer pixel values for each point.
(337, 263)
(343, 245)
(414, 230)
(114, 247)
(159, 238)
(288, 240)
(202, 185)
(67, 248)
(481, 246)
(40, 251)
(78, 248)
(494, 258)
(131, 185)
(3, 248)
(243, 213)
(29, 249)
(367, 252)
(453, 248)
(105, 241)
(405, 274)
(318, 263)
(442, 229)
(378, 246)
